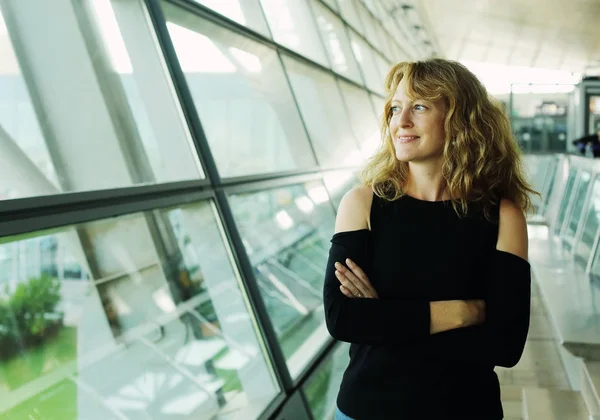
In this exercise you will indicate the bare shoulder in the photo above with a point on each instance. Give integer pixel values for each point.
(354, 210)
(512, 233)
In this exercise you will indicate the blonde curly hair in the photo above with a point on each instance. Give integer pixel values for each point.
(481, 159)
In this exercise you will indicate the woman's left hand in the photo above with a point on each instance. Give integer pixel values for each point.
(355, 283)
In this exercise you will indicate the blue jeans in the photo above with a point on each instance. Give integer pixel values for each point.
(341, 416)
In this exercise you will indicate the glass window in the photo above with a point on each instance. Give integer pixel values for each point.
(325, 115)
(369, 25)
(332, 4)
(94, 108)
(379, 103)
(366, 60)
(336, 42)
(362, 118)
(286, 232)
(322, 388)
(565, 200)
(538, 168)
(293, 25)
(350, 13)
(244, 12)
(590, 226)
(140, 316)
(339, 183)
(577, 207)
(242, 96)
(399, 55)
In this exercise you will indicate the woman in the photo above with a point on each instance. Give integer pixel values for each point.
(428, 275)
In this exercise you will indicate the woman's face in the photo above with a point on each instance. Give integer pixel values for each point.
(417, 127)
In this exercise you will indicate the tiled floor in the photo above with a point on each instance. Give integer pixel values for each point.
(540, 366)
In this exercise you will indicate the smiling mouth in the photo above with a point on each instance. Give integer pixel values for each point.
(407, 139)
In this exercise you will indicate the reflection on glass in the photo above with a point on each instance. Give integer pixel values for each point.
(286, 233)
(324, 113)
(590, 226)
(537, 169)
(136, 134)
(362, 118)
(244, 12)
(366, 60)
(292, 25)
(321, 390)
(349, 12)
(336, 42)
(577, 207)
(135, 317)
(549, 183)
(242, 97)
(565, 201)
(369, 25)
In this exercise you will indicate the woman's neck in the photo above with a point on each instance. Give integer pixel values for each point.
(426, 182)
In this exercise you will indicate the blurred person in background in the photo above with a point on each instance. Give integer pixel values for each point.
(593, 141)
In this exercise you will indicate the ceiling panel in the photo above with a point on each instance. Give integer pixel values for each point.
(563, 34)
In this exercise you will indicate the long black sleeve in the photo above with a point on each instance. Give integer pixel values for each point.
(501, 339)
(367, 321)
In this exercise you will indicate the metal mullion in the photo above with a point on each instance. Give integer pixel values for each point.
(198, 9)
(49, 218)
(206, 13)
(258, 307)
(299, 110)
(236, 246)
(89, 198)
(183, 91)
(265, 184)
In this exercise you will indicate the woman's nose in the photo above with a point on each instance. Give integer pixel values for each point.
(405, 118)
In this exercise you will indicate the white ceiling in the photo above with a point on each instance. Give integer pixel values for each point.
(550, 34)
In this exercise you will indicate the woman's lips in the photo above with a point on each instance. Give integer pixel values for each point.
(406, 139)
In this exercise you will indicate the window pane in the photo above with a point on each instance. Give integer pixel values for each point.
(242, 97)
(565, 200)
(286, 233)
(96, 81)
(590, 227)
(336, 42)
(379, 103)
(578, 203)
(244, 12)
(293, 25)
(325, 115)
(366, 61)
(350, 14)
(321, 390)
(140, 316)
(332, 4)
(369, 25)
(362, 119)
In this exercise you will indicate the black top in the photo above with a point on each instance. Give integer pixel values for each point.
(416, 252)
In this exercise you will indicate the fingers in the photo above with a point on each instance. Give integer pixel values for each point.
(354, 280)
(347, 284)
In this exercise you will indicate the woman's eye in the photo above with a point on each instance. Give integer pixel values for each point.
(395, 109)
(420, 107)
